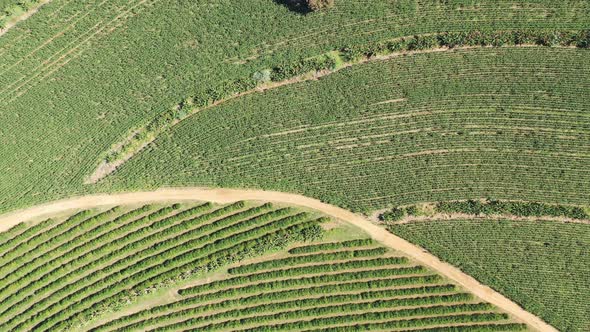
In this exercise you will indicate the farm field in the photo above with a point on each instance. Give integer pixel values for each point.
(59, 274)
(204, 266)
(542, 265)
(505, 123)
(300, 165)
(78, 76)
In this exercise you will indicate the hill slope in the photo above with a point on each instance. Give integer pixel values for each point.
(78, 76)
(164, 267)
(505, 123)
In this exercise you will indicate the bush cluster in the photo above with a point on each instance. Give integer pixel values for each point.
(519, 209)
(398, 213)
(579, 38)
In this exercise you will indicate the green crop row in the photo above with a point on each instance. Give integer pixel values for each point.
(52, 243)
(149, 247)
(13, 242)
(379, 315)
(316, 269)
(351, 55)
(419, 322)
(62, 275)
(59, 283)
(275, 239)
(66, 252)
(428, 127)
(331, 246)
(316, 307)
(264, 298)
(40, 238)
(478, 328)
(12, 232)
(76, 293)
(578, 38)
(319, 278)
(40, 70)
(171, 263)
(313, 258)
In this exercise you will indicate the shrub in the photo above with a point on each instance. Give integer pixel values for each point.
(394, 214)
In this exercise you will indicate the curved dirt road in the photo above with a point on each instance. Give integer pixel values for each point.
(231, 195)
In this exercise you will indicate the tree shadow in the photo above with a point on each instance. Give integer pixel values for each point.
(296, 6)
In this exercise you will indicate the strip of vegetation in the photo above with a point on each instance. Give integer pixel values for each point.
(339, 255)
(491, 207)
(60, 283)
(182, 261)
(442, 310)
(443, 320)
(479, 328)
(39, 239)
(299, 271)
(263, 298)
(320, 306)
(331, 246)
(105, 273)
(11, 243)
(278, 239)
(519, 209)
(344, 276)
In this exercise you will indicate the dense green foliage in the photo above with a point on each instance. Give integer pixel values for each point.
(57, 275)
(519, 209)
(78, 76)
(541, 265)
(489, 208)
(351, 294)
(427, 127)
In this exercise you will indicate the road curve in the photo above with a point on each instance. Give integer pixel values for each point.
(231, 195)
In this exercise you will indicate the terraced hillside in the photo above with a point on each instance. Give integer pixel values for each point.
(506, 123)
(165, 268)
(352, 285)
(79, 76)
(543, 265)
(363, 107)
(59, 274)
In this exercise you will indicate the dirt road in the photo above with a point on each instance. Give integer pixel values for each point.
(231, 195)
(23, 17)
